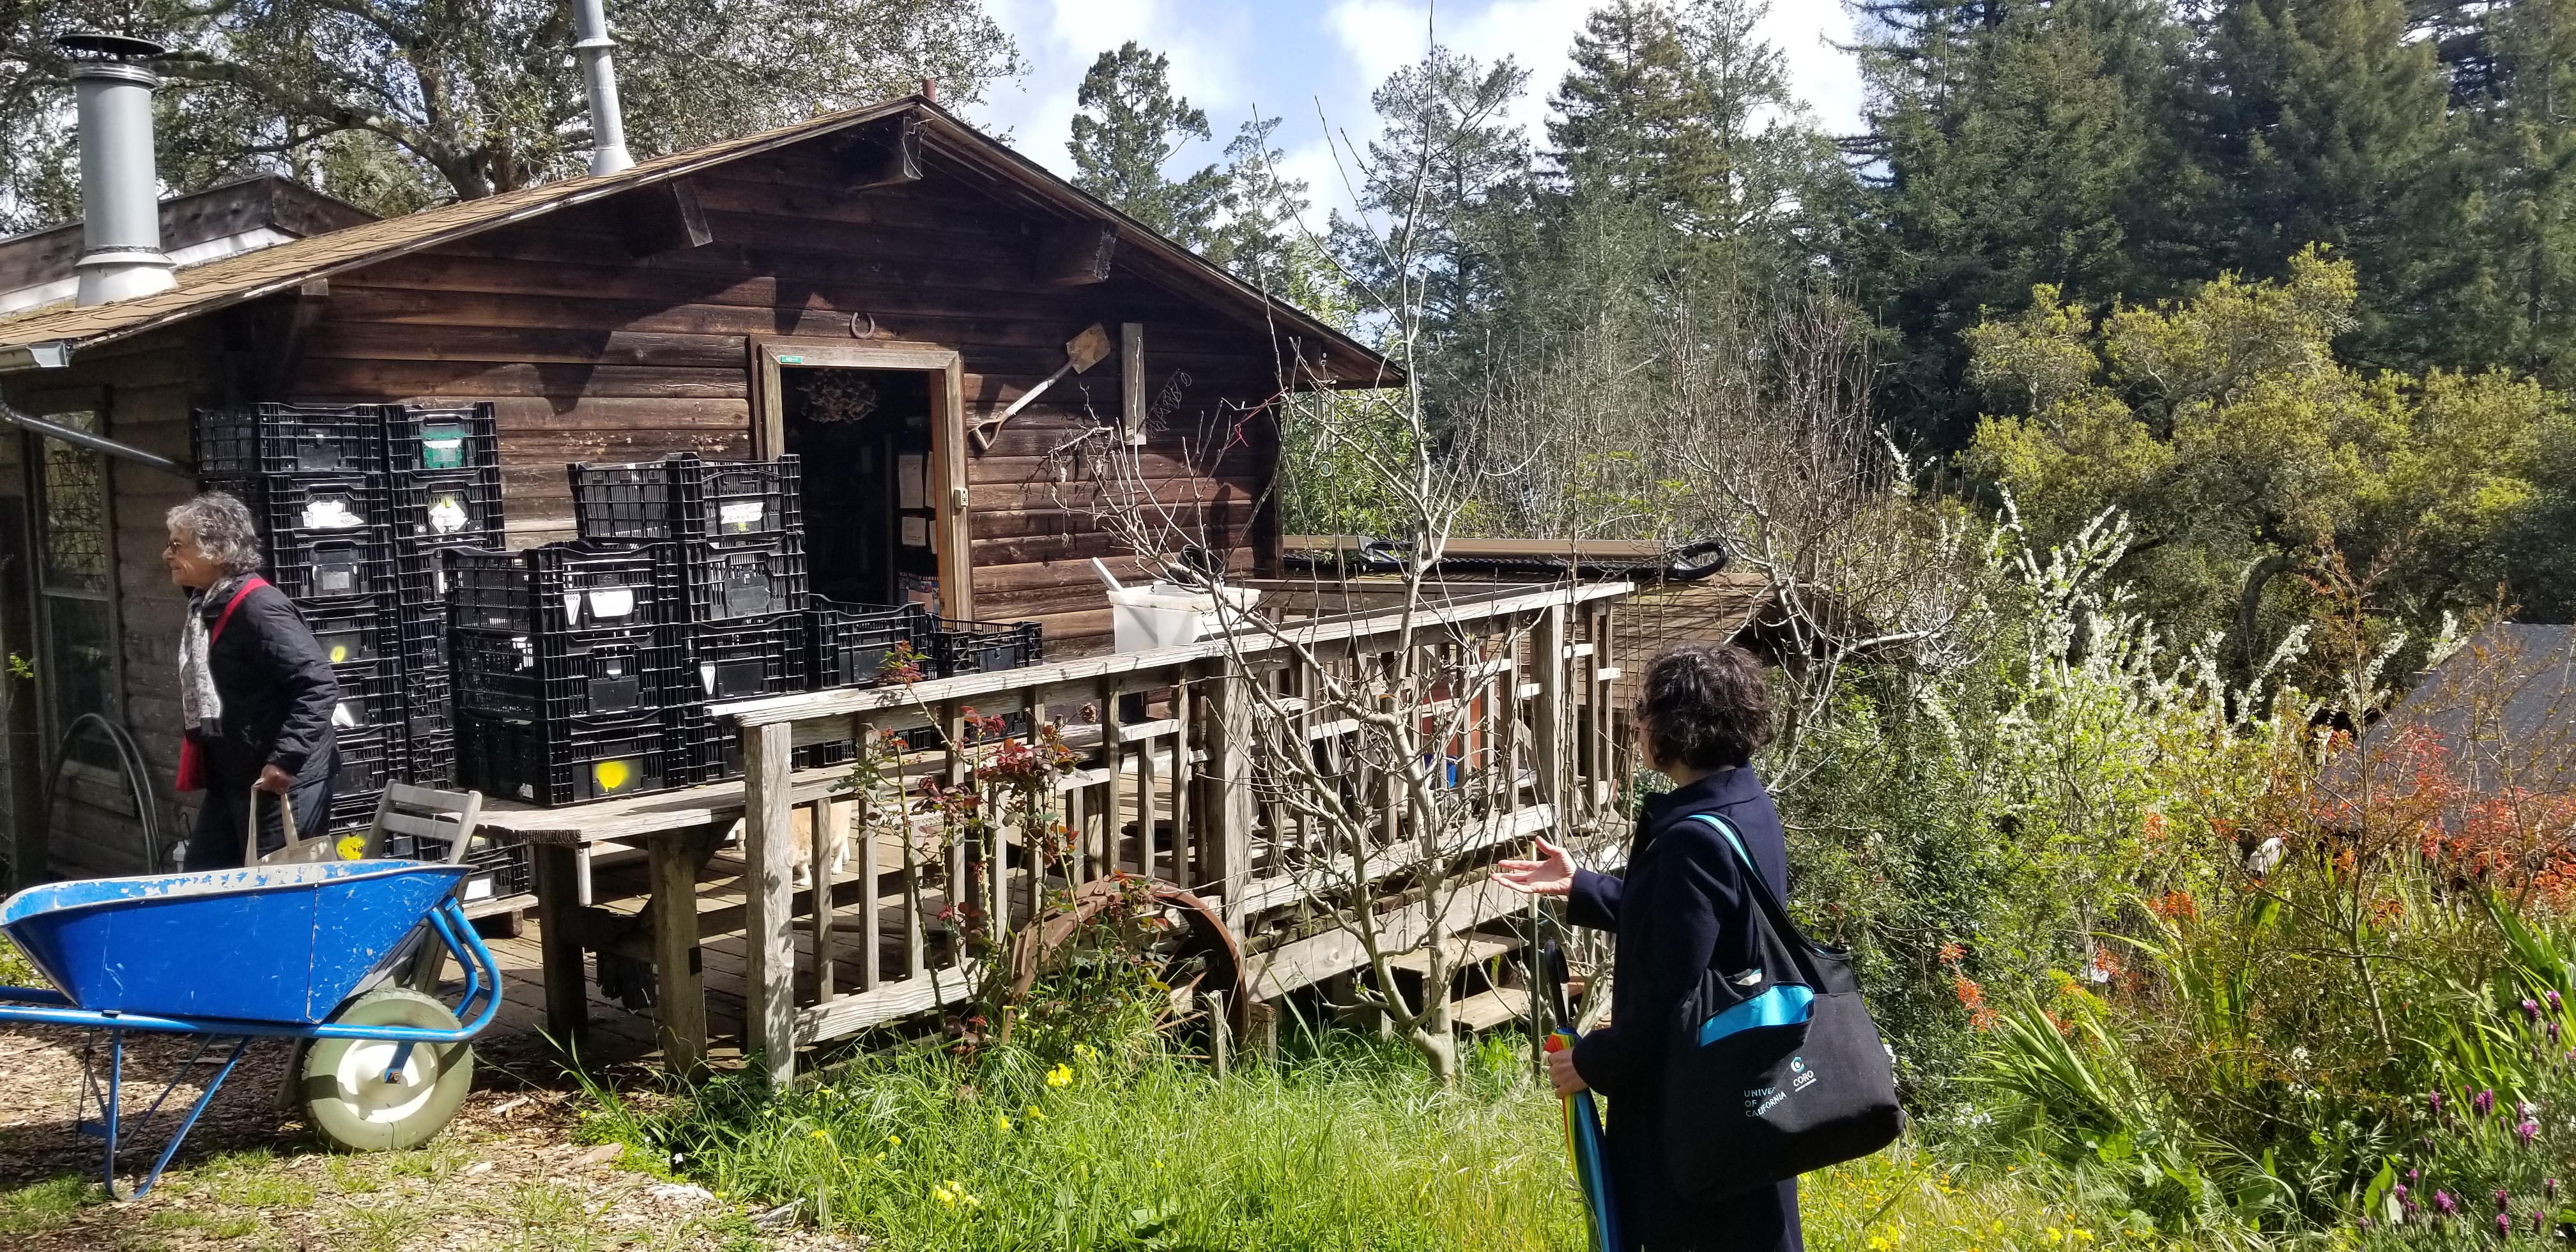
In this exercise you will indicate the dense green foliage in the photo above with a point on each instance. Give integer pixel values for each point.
(2131, 148)
(396, 107)
(2243, 451)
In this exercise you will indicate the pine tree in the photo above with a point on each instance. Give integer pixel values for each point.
(1259, 240)
(1128, 129)
(1444, 196)
(2330, 124)
(2518, 307)
(2014, 146)
(1687, 113)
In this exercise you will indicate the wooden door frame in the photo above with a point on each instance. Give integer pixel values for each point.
(947, 432)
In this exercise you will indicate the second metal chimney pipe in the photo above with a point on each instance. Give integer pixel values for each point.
(599, 71)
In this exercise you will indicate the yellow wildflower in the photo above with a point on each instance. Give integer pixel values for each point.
(896, 1140)
(1035, 1113)
(1060, 1076)
(1000, 1122)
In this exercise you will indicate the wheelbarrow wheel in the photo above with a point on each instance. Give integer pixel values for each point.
(346, 1096)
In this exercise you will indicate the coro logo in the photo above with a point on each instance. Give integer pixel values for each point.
(1797, 1065)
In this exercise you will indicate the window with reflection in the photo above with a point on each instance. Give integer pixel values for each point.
(76, 580)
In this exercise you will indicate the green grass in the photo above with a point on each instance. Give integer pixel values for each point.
(45, 1205)
(1352, 1149)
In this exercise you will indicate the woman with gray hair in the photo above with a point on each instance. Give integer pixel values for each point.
(255, 689)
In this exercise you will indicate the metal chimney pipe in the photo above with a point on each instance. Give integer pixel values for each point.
(121, 255)
(599, 71)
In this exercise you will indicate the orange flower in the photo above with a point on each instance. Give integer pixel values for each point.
(1973, 998)
(1953, 953)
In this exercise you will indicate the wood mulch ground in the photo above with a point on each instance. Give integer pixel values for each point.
(509, 1173)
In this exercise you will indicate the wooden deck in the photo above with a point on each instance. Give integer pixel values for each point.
(616, 1034)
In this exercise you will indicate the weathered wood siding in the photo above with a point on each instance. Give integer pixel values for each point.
(592, 354)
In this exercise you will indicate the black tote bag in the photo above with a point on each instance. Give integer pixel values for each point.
(1777, 1070)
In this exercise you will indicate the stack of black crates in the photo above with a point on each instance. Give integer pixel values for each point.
(585, 669)
(354, 504)
(728, 539)
(563, 671)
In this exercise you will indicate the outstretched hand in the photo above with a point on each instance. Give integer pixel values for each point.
(1552, 874)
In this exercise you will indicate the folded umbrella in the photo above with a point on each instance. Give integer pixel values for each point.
(1583, 1144)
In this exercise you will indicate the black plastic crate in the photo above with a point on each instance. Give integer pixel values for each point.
(358, 781)
(712, 750)
(420, 641)
(430, 762)
(741, 660)
(371, 697)
(564, 762)
(561, 586)
(349, 630)
(727, 581)
(289, 439)
(332, 565)
(440, 439)
(555, 675)
(963, 647)
(310, 504)
(445, 508)
(686, 497)
(849, 643)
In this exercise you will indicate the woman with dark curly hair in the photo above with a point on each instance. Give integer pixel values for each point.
(1683, 906)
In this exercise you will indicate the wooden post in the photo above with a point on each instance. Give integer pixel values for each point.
(1184, 741)
(567, 973)
(1220, 1032)
(769, 894)
(1229, 810)
(680, 1011)
(1131, 382)
(830, 818)
(1113, 744)
(1547, 734)
(866, 834)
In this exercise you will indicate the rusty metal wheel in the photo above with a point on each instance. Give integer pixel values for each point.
(1197, 954)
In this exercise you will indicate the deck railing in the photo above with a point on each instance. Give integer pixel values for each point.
(1158, 779)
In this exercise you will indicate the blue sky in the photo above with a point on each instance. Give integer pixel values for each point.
(1313, 62)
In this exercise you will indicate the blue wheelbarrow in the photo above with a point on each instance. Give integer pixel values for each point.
(315, 952)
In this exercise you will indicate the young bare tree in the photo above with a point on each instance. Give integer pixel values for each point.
(1387, 762)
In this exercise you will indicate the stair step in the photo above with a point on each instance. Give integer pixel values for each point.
(1486, 1010)
(1464, 950)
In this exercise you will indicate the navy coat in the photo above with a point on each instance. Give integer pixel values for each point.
(1681, 907)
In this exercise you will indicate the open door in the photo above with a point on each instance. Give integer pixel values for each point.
(881, 435)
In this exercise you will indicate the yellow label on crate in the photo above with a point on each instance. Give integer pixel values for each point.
(612, 775)
(352, 847)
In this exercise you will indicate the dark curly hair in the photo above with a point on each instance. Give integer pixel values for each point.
(1705, 706)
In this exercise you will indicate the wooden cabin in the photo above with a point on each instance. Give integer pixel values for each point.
(735, 300)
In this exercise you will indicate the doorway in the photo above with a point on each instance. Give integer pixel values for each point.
(871, 521)
(881, 430)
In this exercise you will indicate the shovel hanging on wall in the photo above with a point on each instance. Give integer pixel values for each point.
(1081, 352)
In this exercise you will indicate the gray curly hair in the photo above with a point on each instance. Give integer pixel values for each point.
(221, 525)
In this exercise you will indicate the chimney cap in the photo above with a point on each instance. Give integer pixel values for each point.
(100, 43)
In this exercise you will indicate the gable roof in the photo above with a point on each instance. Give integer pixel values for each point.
(263, 210)
(51, 333)
(2497, 716)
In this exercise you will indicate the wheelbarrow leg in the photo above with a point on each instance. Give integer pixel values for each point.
(110, 1123)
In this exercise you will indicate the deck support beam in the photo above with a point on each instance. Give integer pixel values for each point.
(769, 891)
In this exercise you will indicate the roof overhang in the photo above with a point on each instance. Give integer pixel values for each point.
(45, 339)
